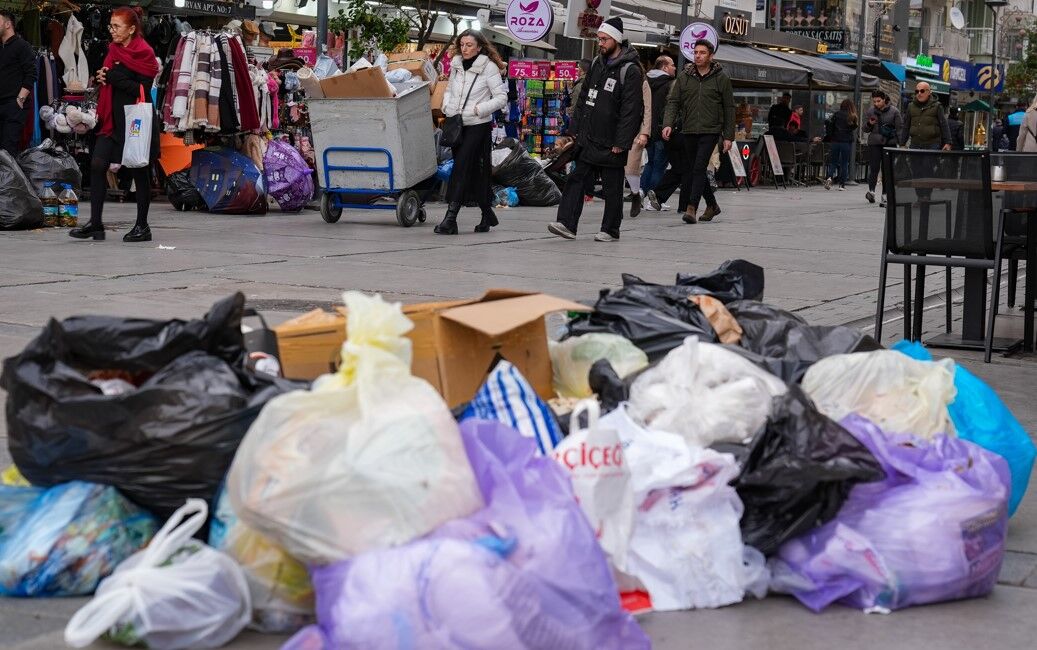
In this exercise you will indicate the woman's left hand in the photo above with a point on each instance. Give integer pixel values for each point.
(642, 140)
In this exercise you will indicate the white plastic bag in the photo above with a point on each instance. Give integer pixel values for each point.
(686, 547)
(705, 393)
(176, 593)
(571, 360)
(136, 149)
(593, 456)
(894, 391)
(370, 458)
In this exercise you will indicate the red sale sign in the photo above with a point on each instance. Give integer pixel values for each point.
(567, 70)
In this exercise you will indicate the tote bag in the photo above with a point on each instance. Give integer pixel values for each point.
(136, 150)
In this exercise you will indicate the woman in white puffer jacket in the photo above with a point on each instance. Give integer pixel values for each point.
(476, 91)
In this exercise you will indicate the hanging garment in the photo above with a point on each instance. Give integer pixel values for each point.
(228, 114)
(185, 72)
(273, 86)
(77, 73)
(247, 101)
(225, 47)
(215, 84)
(200, 83)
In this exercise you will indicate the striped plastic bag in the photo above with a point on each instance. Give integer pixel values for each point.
(506, 396)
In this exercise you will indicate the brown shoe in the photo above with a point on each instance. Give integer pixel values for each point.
(689, 215)
(711, 211)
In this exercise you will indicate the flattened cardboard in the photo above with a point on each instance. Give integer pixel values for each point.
(362, 84)
(438, 95)
(310, 344)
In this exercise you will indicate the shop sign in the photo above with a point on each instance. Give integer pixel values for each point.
(567, 70)
(529, 20)
(733, 25)
(953, 72)
(835, 39)
(697, 32)
(921, 63)
(982, 79)
(213, 7)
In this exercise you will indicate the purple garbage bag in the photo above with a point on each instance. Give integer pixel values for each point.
(933, 530)
(288, 178)
(525, 572)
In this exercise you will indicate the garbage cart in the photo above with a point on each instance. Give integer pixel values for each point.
(375, 153)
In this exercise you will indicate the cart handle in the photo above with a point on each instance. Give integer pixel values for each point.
(388, 169)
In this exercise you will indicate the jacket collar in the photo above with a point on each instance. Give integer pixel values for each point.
(692, 71)
(652, 74)
(477, 67)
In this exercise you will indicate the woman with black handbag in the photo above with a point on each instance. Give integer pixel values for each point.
(474, 93)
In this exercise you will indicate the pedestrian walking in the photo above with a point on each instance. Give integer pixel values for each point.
(660, 80)
(701, 107)
(957, 129)
(883, 125)
(632, 171)
(574, 92)
(1027, 140)
(128, 71)
(475, 92)
(925, 123)
(606, 121)
(841, 129)
(1014, 122)
(17, 76)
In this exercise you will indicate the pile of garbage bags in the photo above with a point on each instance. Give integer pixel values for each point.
(701, 447)
(20, 205)
(521, 171)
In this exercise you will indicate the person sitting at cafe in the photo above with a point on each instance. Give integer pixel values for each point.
(778, 117)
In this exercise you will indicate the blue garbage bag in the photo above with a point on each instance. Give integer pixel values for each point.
(61, 541)
(981, 417)
(443, 171)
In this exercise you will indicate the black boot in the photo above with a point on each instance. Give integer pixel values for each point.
(89, 231)
(448, 226)
(138, 234)
(489, 220)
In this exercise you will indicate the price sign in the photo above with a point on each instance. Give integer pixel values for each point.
(567, 70)
(520, 69)
(543, 70)
(307, 54)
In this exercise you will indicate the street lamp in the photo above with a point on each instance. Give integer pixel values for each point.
(994, 6)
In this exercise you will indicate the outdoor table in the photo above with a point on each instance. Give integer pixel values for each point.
(975, 296)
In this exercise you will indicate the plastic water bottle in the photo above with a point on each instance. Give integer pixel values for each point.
(69, 216)
(51, 211)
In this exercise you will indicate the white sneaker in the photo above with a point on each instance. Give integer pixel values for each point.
(605, 237)
(664, 207)
(882, 203)
(647, 207)
(558, 228)
(653, 201)
(828, 183)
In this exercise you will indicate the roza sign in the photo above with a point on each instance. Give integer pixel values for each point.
(529, 20)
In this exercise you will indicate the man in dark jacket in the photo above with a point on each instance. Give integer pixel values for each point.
(957, 129)
(925, 123)
(701, 107)
(778, 117)
(607, 118)
(660, 80)
(17, 75)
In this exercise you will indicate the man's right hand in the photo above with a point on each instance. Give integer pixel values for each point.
(666, 132)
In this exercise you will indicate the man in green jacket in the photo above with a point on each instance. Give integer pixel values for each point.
(701, 107)
(925, 122)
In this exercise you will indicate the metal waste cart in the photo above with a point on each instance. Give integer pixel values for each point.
(374, 148)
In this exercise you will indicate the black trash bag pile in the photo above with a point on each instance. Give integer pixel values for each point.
(46, 162)
(170, 428)
(521, 171)
(182, 193)
(797, 472)
(785, 345)
(20, 207)
(732, 280)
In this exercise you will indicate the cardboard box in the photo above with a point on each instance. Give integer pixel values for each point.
(422, 69)
(365, 83)
(454, 343)
(438, 94)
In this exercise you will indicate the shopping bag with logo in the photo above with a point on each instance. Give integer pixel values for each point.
(136, 149)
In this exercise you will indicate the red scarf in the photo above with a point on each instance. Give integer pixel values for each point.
(137, 56)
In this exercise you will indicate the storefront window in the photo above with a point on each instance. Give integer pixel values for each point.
(797, 14)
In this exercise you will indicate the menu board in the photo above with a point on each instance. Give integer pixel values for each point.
(772, 153)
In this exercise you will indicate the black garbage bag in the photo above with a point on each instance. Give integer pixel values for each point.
(732, 280)
(182, 193)
(798, 472)
(171, 438)
(655, 318)
(46, 162)
(20, 207)
(521, 171)
(785, 345)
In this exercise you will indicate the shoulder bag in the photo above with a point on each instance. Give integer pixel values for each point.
(452, 125)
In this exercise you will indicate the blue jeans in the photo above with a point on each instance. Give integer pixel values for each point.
(839, 161)
(653, 171)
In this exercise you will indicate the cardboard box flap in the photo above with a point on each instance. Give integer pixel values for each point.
(312, 322)
(498, 317)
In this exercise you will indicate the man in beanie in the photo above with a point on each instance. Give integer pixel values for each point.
(606, 120)
(701, 107)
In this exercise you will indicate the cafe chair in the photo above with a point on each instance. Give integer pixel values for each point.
(1016, 208)
(789, 161)
(939, 213)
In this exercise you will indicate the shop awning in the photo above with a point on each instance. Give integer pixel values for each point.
(500, 36)
(976, 106)
(826, 74)
(750, 67)
(939, 86)
(898, 71)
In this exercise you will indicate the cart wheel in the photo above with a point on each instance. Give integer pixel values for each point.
(408, 208)
(328, 210)
(422, 215)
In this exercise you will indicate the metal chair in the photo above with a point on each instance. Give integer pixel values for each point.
(918, 183)
(789, 161)
(1016, 208)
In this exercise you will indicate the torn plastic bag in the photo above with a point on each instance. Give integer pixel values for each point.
(655, 318)
(170, 439)
(177, 593)
(686, 548)
(732, 280)
(182, 193)
(786, 345)
(981, 417)
(892, 390)
(289, 180)
(706, 393)
(20, 206)
(46, 162)
(933, 530)
(62, 541)
(524, 572)
(524, 173)
(369, 458)
(797, 473)
(571, 361)
(506, 396)
(279, 586)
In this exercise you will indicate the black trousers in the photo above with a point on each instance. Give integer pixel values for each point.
(107, 151)
(689, 156)
(874, 165)
(571, 207)
(470, 177)
(12, 122)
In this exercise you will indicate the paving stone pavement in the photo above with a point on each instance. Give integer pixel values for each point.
(820, 251)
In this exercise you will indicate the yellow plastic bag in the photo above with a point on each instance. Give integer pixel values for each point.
(11, 476)
(571, 361)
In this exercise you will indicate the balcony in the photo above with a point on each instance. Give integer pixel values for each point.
(981, 40)
(949, 42)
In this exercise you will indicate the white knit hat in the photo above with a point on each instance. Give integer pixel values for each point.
(613, 27)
